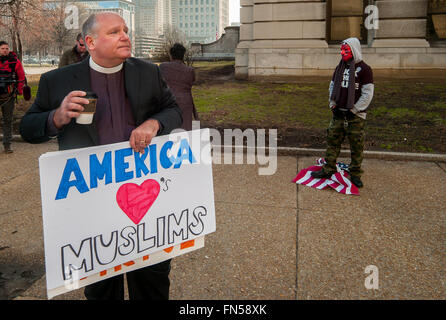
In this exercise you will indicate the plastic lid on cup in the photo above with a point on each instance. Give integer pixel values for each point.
(90, 95)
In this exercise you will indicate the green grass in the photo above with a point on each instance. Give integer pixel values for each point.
(405, 114)
(257, 103)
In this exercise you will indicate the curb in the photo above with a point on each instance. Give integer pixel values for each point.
(288, 151)
(381, 155)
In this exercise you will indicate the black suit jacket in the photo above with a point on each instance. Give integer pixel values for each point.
(148, 94)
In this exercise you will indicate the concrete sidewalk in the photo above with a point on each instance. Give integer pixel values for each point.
(274, 239)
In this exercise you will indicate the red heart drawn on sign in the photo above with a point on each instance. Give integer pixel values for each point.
(136, 200)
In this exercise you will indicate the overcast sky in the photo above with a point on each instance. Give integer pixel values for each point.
(234, 11)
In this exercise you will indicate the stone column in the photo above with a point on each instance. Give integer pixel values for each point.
(346, 19)
(280, 34)
(246, 38)
(437, 8)
(402, 23)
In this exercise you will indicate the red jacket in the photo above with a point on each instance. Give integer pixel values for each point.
(5, 65)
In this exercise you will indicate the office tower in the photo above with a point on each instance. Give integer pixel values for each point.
(202, 20)
(149, 17)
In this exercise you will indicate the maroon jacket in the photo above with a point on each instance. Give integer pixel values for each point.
(180, 79)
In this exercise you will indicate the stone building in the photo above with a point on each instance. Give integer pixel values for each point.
(302, 37)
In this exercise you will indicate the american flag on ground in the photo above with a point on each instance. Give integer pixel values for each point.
(338, 181)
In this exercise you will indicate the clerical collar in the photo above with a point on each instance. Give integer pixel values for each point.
(100, 69)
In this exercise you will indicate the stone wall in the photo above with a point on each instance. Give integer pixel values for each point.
(291, 37)
(223, 48)
(402, 23)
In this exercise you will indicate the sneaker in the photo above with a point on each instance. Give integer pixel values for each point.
(356, 181)
(321, 174)
(8, 149)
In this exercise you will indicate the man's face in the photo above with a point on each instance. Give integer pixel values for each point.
(110, 45)
(346, 52)
(4, 50)
(81, 46)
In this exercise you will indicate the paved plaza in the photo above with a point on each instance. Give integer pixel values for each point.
(274, 239)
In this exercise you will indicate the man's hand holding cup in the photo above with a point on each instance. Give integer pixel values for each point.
(73, 106)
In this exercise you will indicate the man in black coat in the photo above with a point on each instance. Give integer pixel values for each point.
(134, 104)
(75, 54)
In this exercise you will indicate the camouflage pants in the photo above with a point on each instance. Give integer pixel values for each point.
(353, 127)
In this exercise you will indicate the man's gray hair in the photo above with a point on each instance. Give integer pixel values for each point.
(89, 25)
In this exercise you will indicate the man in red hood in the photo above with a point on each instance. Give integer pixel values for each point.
(12, 77)
(350, 94)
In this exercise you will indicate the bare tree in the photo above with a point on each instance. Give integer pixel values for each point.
(37, 38)
(15, 16)
(40, 28)
(60, 35)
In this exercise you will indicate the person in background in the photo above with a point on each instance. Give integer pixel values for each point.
(12, 77)
(350, 93)
(76, 54)
(180, 78)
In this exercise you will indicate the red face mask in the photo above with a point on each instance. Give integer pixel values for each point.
(346, 52)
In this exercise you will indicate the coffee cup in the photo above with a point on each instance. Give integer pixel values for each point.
(86, 116)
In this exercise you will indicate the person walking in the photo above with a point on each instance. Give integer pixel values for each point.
(180, 79)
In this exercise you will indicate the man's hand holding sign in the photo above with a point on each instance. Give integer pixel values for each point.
(142, 136)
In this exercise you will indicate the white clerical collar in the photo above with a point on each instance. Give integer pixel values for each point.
(100, 69)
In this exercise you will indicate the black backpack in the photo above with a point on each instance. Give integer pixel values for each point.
(7, 78)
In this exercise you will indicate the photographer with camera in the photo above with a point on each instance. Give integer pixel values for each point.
(12, 78)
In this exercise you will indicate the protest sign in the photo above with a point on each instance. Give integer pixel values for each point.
(108, 210)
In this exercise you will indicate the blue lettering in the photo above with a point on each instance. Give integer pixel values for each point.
(184, 146)
(103, 170)
(166, 161)
(139, 163)
(153, 161)
(121, 165)
(65, 184)
(100, 170)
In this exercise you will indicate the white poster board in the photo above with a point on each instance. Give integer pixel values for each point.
(108, 210)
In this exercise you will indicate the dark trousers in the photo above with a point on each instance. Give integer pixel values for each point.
(351, 126)
(7, 111)
(149, 283)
